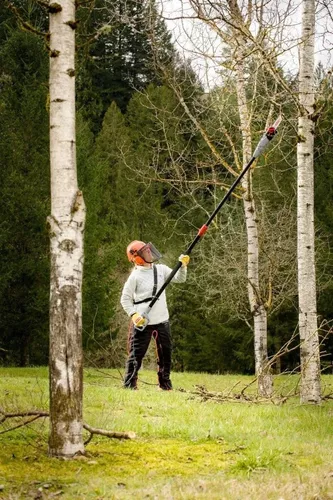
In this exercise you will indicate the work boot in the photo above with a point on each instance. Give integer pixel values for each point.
(164, 383)
(131, 383)
(133, 387)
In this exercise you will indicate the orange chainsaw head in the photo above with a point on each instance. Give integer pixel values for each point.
(141, 253)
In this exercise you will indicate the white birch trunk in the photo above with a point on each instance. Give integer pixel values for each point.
(258, 310)
(66, 240)
(309, 348)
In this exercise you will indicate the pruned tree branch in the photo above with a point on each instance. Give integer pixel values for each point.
(36, 414)
(109, 434)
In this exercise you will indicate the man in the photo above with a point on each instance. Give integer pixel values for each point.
(141, 286)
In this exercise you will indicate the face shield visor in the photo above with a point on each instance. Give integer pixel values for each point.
(149, 253)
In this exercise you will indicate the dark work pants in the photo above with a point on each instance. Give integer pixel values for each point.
(138, 343)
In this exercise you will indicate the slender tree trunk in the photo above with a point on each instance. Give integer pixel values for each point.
(66, 241)
(258, 310)
(310, 361)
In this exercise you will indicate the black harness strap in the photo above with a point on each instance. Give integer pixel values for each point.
(148, 299)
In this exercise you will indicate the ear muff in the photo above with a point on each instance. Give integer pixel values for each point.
(132, 252)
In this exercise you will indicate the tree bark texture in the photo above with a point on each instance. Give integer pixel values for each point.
(257, 306)
(309, 347)
(66, 242)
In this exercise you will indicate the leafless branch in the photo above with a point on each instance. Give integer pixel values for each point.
(36, 414)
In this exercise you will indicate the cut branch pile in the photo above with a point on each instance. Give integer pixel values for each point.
(240, 397)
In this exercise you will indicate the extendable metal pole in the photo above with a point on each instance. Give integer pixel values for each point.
(265, 139)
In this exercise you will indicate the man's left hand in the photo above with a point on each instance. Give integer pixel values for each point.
(184, 259)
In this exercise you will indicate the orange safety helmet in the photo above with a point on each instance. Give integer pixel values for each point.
(141, 253)
(132, 252)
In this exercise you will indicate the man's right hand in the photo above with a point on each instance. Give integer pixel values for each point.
(138, 320)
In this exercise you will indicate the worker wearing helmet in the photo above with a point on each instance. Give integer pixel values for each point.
(142, 284)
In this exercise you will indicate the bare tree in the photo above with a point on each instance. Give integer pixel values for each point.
(309, 348)
(232, 22)
(66, 222)
(257, 305)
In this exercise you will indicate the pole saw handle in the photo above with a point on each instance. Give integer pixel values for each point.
(145, 316)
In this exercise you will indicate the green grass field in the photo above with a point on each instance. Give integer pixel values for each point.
(185, 448)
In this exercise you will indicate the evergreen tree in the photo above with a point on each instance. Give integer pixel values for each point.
(24, 199)
(118, 58)
(128, 197)
(108, 213)
(324, 210)
(120, 208)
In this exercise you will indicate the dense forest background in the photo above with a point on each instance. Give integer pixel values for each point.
(147, 173)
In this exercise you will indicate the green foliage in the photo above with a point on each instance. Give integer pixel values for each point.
(120, 208)
(118, 59)
(103, 187)
(204, 340)
(323, 208)
(24, 200)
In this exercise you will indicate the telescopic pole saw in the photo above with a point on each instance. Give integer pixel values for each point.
(261, 146)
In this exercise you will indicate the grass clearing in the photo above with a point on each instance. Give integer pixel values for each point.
(185, 448)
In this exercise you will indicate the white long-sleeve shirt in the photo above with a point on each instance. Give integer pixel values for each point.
(139, 286)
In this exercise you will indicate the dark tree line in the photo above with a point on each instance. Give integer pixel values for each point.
(133, 136)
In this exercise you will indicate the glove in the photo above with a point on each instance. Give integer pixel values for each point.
(184, 259)
(138, 320)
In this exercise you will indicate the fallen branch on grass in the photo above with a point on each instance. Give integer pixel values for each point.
(240, 397)
(35, 414)
(327, 396)
(109, 434)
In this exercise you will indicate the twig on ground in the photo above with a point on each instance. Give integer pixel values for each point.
(40, 414)
(109, 434)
